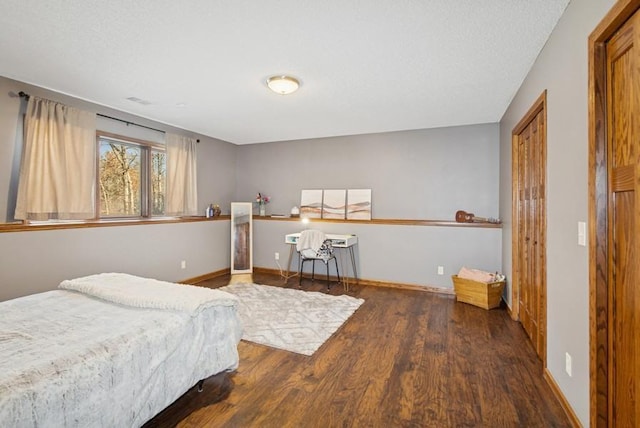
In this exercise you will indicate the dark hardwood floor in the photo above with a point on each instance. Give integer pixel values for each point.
(404, 359)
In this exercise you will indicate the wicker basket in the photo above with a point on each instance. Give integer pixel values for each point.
(483, 295)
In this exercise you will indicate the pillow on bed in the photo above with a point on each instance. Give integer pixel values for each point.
(150, 293)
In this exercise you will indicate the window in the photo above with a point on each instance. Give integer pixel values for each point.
(131, 177)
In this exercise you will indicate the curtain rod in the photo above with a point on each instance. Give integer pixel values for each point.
(23, 94)
(129, 123)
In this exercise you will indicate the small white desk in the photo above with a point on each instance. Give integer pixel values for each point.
(337, 241)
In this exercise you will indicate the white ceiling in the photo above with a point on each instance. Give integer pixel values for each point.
(366, 66)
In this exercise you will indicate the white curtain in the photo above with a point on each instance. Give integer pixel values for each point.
(182, 198)
(58, 168)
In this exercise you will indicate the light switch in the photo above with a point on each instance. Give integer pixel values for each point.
(582, 233)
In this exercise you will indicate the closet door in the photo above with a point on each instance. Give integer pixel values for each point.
(526, 309)
(529, 154)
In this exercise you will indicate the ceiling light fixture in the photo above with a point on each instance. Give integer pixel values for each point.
(283, 85)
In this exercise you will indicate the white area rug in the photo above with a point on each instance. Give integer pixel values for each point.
(293, 320)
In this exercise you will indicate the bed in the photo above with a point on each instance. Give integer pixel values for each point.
(110, 350)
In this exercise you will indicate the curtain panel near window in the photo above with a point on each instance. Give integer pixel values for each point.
(58, 168)
(182, 186)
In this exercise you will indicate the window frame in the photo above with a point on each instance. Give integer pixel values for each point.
(147, 148)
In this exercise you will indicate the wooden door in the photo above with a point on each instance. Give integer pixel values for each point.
(614, 217)
(529, 226)
(623, 95)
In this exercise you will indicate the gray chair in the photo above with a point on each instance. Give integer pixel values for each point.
(313, 245)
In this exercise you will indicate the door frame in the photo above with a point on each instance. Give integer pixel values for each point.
(539, 105)
(598, 211)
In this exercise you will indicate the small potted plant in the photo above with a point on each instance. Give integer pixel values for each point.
(262, 201)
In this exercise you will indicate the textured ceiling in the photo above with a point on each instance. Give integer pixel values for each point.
(365, 65)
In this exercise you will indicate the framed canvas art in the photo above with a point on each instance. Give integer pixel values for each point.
(311, 203)
(334, 204)
(359, 204)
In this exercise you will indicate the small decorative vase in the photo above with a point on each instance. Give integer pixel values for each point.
(263, 211)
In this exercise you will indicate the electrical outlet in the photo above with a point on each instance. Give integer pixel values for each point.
(567, 363)
(183, 264)
(440, 270)
(277, 255)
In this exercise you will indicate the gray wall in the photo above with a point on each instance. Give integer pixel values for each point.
(401, 254)
(423, 174)
(561, 68)
(32, 262)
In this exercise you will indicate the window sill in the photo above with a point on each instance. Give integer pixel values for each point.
(20, 227)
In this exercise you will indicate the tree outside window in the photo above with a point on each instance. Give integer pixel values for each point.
(132, 179)
(158, 182)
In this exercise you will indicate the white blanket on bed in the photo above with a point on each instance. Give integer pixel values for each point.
(71, 360)
(149, 293)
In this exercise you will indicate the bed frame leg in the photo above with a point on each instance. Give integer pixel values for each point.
(200, 385)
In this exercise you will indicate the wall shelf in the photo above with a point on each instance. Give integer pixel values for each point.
(393, 222)
(20, 227)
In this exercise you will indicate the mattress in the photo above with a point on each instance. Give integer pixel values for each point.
(72, 360)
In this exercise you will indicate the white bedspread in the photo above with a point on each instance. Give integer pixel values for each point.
(71, 360)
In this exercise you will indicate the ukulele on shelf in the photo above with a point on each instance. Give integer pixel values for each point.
(465, 217)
